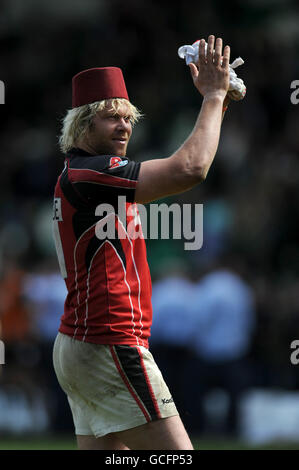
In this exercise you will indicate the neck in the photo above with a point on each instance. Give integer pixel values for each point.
(85, 146)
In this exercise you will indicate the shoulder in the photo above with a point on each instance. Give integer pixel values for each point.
(103, 169)
(79, 159)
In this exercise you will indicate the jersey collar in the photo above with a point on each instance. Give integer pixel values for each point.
(76, 151)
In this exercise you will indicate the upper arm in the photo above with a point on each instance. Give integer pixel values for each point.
(163, 177)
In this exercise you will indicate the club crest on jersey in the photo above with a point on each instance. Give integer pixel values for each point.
(116, 162)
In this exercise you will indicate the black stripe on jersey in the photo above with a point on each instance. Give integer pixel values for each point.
(83, 220)
(130, 361)
(95, 244)
(96, 193)
(72, 196)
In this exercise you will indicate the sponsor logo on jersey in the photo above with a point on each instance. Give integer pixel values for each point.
(167, 400)
(116, 162)
(57, 213)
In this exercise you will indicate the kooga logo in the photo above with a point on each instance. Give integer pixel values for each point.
(165, 400)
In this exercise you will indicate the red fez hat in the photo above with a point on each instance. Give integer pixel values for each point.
(98, 84)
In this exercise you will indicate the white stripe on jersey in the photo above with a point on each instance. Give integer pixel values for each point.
(87, 289)
(137, 275)
(76, 276)
(59, 249)
(129, 289)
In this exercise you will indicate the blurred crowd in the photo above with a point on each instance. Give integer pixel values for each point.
(228, 311)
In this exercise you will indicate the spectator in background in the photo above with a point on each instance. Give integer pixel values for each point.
(44, 291)
(22, 401)
(15, 320)
(173, 324)
(222, 334)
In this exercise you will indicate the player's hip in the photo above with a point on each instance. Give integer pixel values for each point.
(115, 381)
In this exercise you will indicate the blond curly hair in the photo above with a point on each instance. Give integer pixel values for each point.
(79, 120)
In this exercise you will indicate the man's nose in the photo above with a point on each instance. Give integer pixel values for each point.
(123, 123)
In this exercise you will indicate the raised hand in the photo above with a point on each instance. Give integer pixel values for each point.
(211, 74)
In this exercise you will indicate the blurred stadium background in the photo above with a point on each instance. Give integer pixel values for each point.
(234, 304)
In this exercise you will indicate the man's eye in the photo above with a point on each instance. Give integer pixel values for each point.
(116, 118)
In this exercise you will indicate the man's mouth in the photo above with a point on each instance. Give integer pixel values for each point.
(120, 140)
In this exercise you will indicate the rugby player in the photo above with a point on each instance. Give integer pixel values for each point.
(116, 392)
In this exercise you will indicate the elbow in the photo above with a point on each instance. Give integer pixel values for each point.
(197, 173)
(205, 172)
(190, 171)
(202, 174)
(197, 166)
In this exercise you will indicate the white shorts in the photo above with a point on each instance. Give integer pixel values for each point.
(110, 388)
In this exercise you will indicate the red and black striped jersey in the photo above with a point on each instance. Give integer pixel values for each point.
(107, 277)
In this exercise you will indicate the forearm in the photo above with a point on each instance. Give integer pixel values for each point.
(198, 151)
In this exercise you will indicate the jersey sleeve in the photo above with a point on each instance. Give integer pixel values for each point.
(104, 177)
